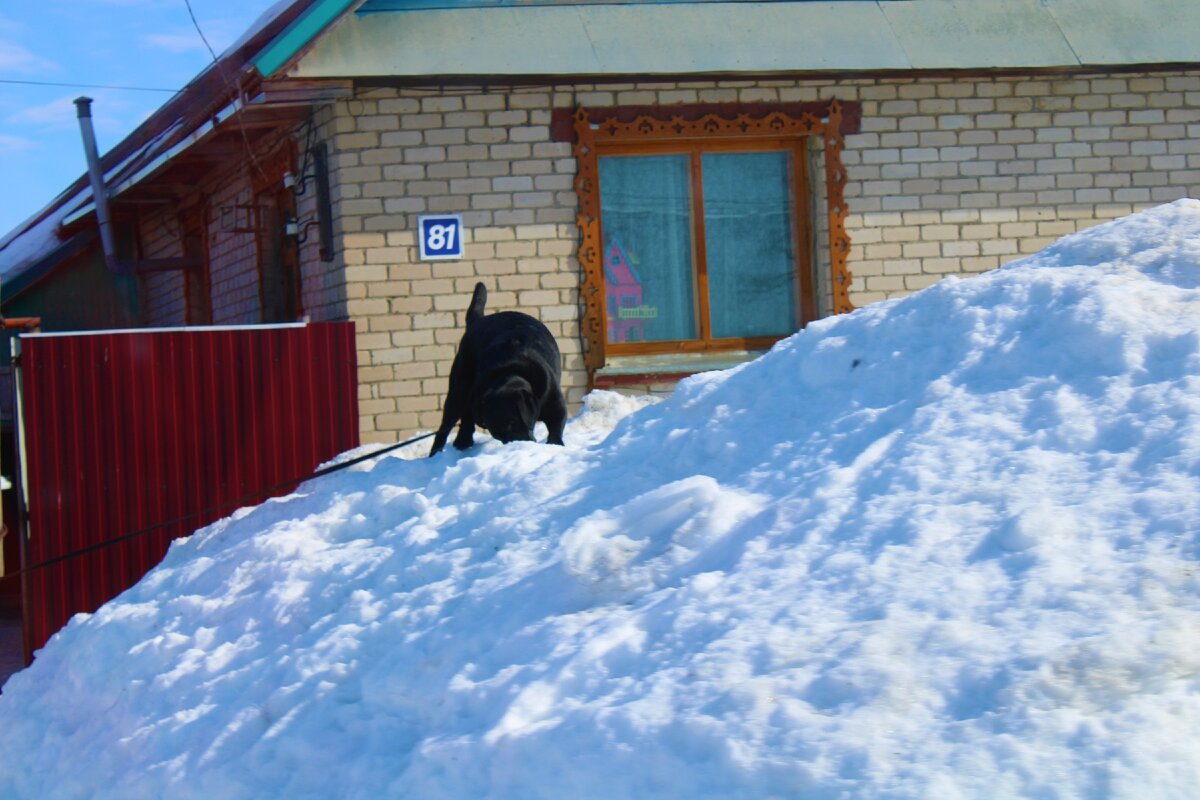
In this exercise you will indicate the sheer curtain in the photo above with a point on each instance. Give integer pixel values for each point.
(750, 243)
(645, 209)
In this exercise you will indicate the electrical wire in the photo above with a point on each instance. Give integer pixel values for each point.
(236, 502)
(196, 25)
(236, 90)
(89, 86)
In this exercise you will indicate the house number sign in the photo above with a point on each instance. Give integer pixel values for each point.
(440, 237)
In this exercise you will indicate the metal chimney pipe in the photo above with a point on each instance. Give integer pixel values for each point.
(83, 106)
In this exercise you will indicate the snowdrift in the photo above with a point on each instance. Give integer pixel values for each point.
(941, 547)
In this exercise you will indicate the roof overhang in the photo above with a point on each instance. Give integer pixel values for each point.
(207, 125)
(299, 34)
(21, 281)
(409, 40)
(222, 139)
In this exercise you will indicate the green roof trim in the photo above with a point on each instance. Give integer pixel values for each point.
(385, 6)
(295, 36)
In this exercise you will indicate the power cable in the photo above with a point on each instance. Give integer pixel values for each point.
(236, 90)
(225, 504)
(89, 86)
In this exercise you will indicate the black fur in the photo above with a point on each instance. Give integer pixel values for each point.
(505, 377)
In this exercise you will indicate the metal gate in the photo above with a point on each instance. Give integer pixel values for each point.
(130, 439)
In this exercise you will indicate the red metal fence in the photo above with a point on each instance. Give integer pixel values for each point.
(123, 431)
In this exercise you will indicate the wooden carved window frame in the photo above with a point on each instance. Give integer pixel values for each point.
(592, 136)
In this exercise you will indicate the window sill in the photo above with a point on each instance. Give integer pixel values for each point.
(640, 370)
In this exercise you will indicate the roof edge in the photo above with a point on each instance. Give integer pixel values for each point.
(28, 277)
(298, 35)
(205, 92)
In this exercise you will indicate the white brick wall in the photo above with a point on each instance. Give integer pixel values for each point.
(952, 177)
(946, 176)
(489, 157)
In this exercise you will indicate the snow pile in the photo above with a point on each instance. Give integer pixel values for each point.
(942, 547)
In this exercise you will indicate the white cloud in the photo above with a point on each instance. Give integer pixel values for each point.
(175, 42)
(55, 112)
(108, 113)
(220, 33)
(15, 144)
(17, 58)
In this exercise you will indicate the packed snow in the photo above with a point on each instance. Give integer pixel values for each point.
(942, 547)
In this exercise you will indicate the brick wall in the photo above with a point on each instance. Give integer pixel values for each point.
(231, 244)
(233, 254)
(962, 176)
(947, 176)
(323, 283)
(162, 293)
(232, 259)
(489, 157)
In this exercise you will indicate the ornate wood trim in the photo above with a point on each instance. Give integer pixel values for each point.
(591, 253)
(835, 185)
(562, 120)
(665, 126)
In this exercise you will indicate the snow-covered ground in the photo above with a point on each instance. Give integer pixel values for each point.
(942, 547)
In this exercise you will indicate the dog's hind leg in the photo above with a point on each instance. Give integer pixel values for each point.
(443, 432)
(554, 414)
(466, 431)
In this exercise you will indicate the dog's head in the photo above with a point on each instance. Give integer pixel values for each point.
(507, 409)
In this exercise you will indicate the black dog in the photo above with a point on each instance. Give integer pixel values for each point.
(505, 377)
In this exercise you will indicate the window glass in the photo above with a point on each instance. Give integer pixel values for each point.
(645, 205)
(749, 238)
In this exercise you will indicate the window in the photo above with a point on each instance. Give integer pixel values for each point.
(696, 234)
(704, 248)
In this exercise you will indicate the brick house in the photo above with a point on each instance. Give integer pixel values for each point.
(759, 165)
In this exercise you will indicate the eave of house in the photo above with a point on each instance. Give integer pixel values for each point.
(411, 39)
(208, 124)
(416, 40)
(299, 34)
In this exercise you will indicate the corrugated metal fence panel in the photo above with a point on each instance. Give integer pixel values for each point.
(125, 431)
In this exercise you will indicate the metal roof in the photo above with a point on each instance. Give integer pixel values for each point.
(416, 38)
(37, 245)
(381, 6)
(298, 34)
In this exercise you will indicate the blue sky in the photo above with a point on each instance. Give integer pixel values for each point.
(129, 43)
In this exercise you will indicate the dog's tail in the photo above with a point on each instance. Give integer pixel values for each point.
(478, 301)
